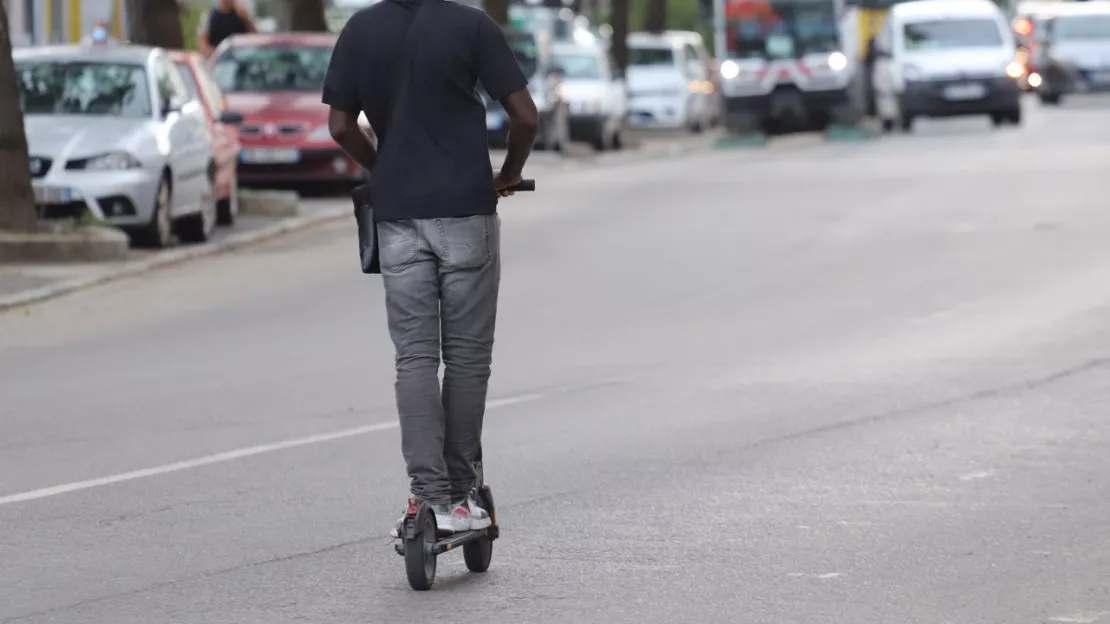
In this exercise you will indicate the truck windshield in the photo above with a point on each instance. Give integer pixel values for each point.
(952, 33)
(774, 30)
(1083, 27)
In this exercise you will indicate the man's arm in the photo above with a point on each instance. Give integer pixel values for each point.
(502, 78)
(345, 129)
(341, 94)
(202, 34)
(245, 15)
(524, 121)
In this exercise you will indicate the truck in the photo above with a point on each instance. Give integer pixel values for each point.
(789, 65)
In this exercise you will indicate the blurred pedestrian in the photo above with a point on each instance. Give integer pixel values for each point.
(434, 197)
(101, 34)
(225, 19)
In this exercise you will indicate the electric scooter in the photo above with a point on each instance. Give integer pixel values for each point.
(420, 542)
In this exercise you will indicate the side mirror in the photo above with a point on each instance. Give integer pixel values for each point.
(173, 105)
(231, 118)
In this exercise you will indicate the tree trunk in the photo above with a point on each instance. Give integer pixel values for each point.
(655, 18)
(306, 15)
(498, 10)
(17, 201)
(619, 44)
(155, 23)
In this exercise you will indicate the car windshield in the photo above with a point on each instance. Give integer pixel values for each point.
(80, 88)
(579, 66)
(651, 57)
(272, 68)
(952, 33)
(527, 56)
(769, 30)
(1082, 27)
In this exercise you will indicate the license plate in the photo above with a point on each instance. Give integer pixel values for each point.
(493, 121)
(52, 195)
(270, 155)
(971, 91)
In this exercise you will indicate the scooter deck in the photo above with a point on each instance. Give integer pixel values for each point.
(455, 540)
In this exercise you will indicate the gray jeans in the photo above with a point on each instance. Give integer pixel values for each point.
(441, 282)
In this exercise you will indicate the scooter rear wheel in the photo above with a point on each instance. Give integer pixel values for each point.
(479, 553)
(420, 560)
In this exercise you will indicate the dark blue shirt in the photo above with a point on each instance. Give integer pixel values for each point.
(434, 160)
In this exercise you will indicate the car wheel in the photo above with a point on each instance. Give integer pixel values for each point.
(599, 139)
(227, 209)
(906, 122)
(198, 227)
(158, 232)
(617, 141)
(888, 125)
(1051, 99)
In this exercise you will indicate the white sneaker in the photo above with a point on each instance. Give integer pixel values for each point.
(471, 514)
(449, 519)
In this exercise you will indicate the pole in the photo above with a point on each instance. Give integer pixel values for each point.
(719, 30)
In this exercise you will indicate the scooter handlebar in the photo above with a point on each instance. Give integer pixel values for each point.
(523, 185)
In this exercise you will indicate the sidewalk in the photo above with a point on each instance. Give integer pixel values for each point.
(25, 284)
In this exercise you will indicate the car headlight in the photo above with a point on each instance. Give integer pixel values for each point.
(730, 70)
(1015, 70)
(912, 72)
(363, 121)
(838, 61)
(112, 161)
(320, 134)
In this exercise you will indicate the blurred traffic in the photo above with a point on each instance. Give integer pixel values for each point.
(172, 136)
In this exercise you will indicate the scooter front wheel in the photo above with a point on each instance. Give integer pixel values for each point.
(420, 558)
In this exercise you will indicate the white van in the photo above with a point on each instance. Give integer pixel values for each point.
(946, 58)
(669, 83)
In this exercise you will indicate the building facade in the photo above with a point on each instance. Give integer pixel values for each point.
(36, 22)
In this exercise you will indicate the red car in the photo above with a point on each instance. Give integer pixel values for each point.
(221, 123)
(275, 81)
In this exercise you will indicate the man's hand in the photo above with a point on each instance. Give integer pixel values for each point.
(502, 182)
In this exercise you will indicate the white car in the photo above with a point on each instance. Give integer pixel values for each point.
(596, 93)
(669, 83)
(113, 131)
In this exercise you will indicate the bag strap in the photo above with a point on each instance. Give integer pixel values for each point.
(403, 69)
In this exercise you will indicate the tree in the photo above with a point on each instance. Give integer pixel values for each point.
(498, 11)
(17, 200)
(619, 43)
(303, 15)
(155, 23)
(655, 18)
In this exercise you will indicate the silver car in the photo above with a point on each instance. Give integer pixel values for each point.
(1074, 55)
(112, 131)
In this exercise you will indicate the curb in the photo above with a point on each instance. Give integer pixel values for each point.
(176, 256)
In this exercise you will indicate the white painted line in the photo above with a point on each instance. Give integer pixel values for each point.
(227, 456)
(1081, 618)
(977, 475)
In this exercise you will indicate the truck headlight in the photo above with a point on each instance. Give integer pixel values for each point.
(838, 61)
(112, 161)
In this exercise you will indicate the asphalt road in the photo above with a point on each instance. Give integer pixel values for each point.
(852, 383)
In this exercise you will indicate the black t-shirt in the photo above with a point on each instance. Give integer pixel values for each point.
(223, 24)
(434, 162)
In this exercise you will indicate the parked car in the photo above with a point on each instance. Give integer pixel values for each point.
(596, 92)
(111, 130)
(1074, 57)
(669, 81)
(221, 125)
(274, 80)
(533, 53)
